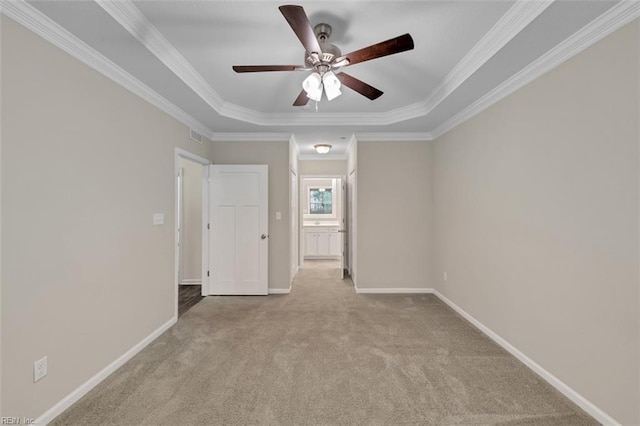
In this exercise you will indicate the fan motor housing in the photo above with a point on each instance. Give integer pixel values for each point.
(323, 63)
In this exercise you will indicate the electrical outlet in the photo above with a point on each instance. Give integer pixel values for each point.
(39, 369)
(444, 276)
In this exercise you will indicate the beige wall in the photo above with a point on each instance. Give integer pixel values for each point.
(322, 167)
(276, 155)
(191, 228)
(536, 221)
(76, 217)
(394, 215)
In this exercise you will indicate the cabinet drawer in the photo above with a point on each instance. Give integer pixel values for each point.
(316, 229)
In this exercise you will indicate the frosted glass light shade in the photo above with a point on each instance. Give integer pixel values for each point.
(312, 86)
(331, 85)
(322, 148)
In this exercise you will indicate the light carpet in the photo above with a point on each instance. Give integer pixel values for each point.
(323, 355)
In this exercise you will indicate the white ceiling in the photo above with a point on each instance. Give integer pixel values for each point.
(467, 55)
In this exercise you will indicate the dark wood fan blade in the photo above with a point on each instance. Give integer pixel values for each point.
(261, 68)
(385, 48)
(302, 99)
(359, 86)
(297, 19)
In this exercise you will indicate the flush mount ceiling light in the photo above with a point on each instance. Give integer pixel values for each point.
(322, 148)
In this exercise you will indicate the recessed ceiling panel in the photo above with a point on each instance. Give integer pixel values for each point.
(213, 36)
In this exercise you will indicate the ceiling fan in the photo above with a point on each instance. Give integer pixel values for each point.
(323, 58)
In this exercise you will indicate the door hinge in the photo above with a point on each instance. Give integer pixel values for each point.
(207, 273)
(208, 226)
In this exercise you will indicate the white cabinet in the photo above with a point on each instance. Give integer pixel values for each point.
(335, 244)
(311, 243)
(322, 242)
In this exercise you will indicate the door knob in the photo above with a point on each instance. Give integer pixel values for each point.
(263, 237)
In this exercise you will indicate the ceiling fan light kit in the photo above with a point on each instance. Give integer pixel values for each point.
(322, 148)
(323, 58)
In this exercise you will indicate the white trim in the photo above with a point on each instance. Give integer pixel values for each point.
(251, 137)
(613, 19)
(280, 290)
(322, 157)
(131, 19)
(192, 281)
(82, 390)
(34, 20)
(517, 18)
(394, 137)
(408, 290)
(567, 391)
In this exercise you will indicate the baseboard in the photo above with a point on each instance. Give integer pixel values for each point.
(567, 391)
(82, 390)
(280, 290)
(410, 290)
(191, 282)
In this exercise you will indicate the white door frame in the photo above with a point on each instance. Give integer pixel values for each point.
(181, 153)
(301, 197)
(352, 224)
(294, 207)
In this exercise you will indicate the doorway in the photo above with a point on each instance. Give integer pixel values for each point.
(191, 202)
(322, 218)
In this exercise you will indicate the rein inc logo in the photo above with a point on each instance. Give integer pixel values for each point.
(17, 421)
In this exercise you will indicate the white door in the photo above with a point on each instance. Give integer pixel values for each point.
(293, 232)
(343, 227)
(239, 221)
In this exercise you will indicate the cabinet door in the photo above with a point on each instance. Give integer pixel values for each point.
(323, 244)
(335, 244)
(310, 244)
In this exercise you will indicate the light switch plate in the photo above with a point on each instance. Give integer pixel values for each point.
(39, 369)
(158, 219)
(278, 215)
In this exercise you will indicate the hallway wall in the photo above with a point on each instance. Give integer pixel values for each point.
(323, 167)
(394, 211)
(191, 228)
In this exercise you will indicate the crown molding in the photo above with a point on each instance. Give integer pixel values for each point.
(251, 137)
(394, 137)
(131, 19)
(506, 28)
(322, 157)
(613, 19)
(40, 24)
(517, 18)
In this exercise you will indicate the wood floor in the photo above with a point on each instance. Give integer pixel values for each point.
(188, 296)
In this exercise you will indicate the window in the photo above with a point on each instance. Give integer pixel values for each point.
(320, 201)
